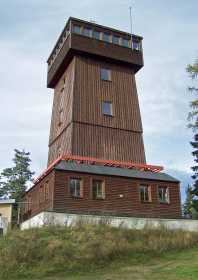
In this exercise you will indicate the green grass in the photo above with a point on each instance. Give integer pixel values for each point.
(98, 252)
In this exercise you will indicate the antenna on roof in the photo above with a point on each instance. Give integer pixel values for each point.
(130, 9)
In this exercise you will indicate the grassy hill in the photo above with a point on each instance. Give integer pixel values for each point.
(98, 252)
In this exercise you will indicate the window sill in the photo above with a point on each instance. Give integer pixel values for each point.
(99, 198)
(164, 202)
(103, 80)
(146, 202)
(76, 197)
(106, 115)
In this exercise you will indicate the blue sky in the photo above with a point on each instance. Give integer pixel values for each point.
(28, 31)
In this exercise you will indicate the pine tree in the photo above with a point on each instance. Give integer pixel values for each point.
(193, 123)
(188, 204)
(14, 180)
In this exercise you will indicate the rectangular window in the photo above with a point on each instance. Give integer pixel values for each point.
(116, 40)
(60, 121)
(107, 108)
(96, 35)
(77, 29)
(136, 46)
(87, 32)
(145, 193)
(105, 74)
(41, 194)
(59, 151)
(98, 189)
(75, 187)
(47, 190)
(125, 42)
(106, 37)
(163, 194)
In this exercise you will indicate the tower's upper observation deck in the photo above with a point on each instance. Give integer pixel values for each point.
(90, 39)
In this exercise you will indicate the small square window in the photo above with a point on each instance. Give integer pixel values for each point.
(60, 121)
(116, 40)
(77, 29)
(106, 37)
(47, 190)
(98, 189)
(59, 151)
(105, 74)
(75, 187)
(163, 194)
(145, 193)
(136, 46)
(96, 35)
(87, 32)
(125, 42)
(107, 108)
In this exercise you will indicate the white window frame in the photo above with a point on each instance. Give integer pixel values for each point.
(77, 194)
(102, 75)
(102, 186)
(144, 186)
(111, 108)
(166, 194)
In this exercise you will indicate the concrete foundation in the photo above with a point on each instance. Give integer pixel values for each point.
(53, 218)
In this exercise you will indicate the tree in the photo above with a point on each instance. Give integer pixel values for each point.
(193, 123)
(188, 204)
(14, 180)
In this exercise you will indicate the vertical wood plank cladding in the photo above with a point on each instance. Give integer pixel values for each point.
(85, 130)
(36, 205)
(61, 145)
(130, 204)
(90, 90)
(60, 135)
(107, 143)
(68, 76)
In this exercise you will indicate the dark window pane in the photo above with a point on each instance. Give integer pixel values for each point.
(74, 187)
(87, 32)
(125, 42)
(77, 29)
(116, 40)
(106, 37)
(144, 193)
(136, 46)
(107, 108)
(96, 35)
(97, 189)
(105, 74)
(163, 194)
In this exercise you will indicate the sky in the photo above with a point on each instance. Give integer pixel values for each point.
(28, 32)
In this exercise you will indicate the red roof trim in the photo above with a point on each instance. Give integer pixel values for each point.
(95, 161)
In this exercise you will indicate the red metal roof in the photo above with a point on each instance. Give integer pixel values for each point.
(95, 161)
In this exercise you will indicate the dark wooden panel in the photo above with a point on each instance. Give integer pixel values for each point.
(61, 145)
(129, 204)
(63, 93)
(34, 204)
(78, 44)
(107, 143)
(90, 91)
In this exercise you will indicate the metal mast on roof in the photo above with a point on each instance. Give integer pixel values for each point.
(130, 9)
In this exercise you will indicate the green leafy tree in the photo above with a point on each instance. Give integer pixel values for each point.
(193, 123)
(14, 180)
